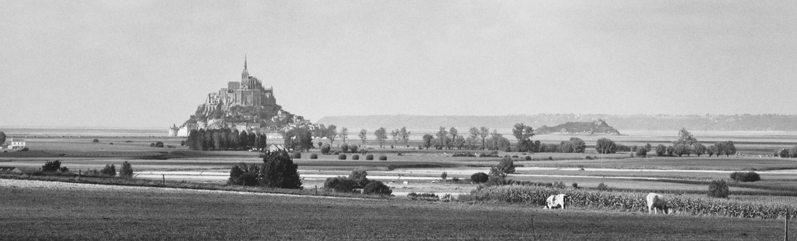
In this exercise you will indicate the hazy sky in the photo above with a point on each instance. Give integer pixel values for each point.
(150, 63)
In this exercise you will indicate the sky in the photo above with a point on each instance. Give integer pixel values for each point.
(151, 63)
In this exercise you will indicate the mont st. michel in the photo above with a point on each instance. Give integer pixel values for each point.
(243, 105)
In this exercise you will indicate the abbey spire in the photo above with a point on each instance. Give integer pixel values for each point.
(245, 74)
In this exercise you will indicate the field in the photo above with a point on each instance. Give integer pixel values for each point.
(76, 212)
(406, 170)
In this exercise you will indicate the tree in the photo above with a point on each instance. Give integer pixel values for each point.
(605, 146)
(381, 136)
(363, 136)
(404, 135)
(243, 140)
(698, 149)
(262, 141)
(193, 140)
(642, 152)
(443, 176)
(484, 132)
(331, 133)
(793, 151)
(474, 135)
(126, 170)
(454, 134)
(395, 134)
(279, 171)
(661, 150)
(578, 145)
(242, 174)
(505, 166)
(459, 142)
(711, 150)
(360, 177)
(427, 140)
(377, 187)
(522, 133)
(2, 137)
(442, 137)
(681, 149)
(344, 133)
(686, 138)
(53, 166)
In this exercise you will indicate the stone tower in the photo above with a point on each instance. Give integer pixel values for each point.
(245, 76)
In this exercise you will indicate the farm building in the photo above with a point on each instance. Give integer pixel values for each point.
(275, 147)
(17, 143)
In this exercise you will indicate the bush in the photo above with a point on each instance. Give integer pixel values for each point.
(182, 143)
(109, 170)
(718, 189)
(243, 174)
(641, 152)
(559, 185)
(296, 155)
(360, 177)
(314, 156)
(745, 176)
(575, 185)
(342, 157)
(383, 158)
(443, 175)
(63, 169)
(95, 141)
(159, 144)
(369, 157)
(353, 148)
(325, 149)
(479, 177)
(355, 157)
(126, 170)
(528, 158)
(377, 187)
(344, 148)
(339, 184)
(279, 171)
(51, 166)
(603, 187)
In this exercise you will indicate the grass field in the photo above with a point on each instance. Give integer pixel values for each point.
(77, 213)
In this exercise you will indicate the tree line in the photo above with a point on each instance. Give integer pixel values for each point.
(225, 139)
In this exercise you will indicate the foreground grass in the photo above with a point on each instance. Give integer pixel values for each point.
(36, 213)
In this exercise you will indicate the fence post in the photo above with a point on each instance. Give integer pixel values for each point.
(164, 179)
(316, 190)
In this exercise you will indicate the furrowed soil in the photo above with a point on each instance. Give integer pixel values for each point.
(65, 211)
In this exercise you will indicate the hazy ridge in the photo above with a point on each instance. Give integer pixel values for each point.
(745, 122)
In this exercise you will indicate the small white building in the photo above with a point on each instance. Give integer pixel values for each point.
(17, 143)
(275, 147)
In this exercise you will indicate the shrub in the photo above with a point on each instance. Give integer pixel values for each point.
(603, 187)
(377, 187)
(455, 179)
(495, 181)
(575, 185)
(479, 177)
(339, 184)
(443, 175)
(745, 176)
(296, 155)
(369, 157)
(325, 149)
(51, 166)
(464, 154)
(641, 152)
(314, 156)
(559, 185)
(353, 148)
(588, 158)
(243, 174)
(514, 156)
(718, 189)
(383, 158)
(63, 169)
(109, 170)
(342, 157)
(482, 155)
(126, 170)
(355, 157)
(182, 143)
(528, 158)
(279, 171)
(159, 144)
(95, 141)
(344, 148)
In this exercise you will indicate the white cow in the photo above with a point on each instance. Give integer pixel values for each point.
(556, 201)
(657, 202)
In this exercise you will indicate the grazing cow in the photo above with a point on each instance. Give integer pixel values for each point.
(556, 201)
(657, 202)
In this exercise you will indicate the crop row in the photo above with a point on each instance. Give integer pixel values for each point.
(635, 201)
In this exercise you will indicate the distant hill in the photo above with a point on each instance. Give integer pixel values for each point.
(598, 127)
(767, 122)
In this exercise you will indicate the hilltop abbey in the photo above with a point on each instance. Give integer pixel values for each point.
(243, 105)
